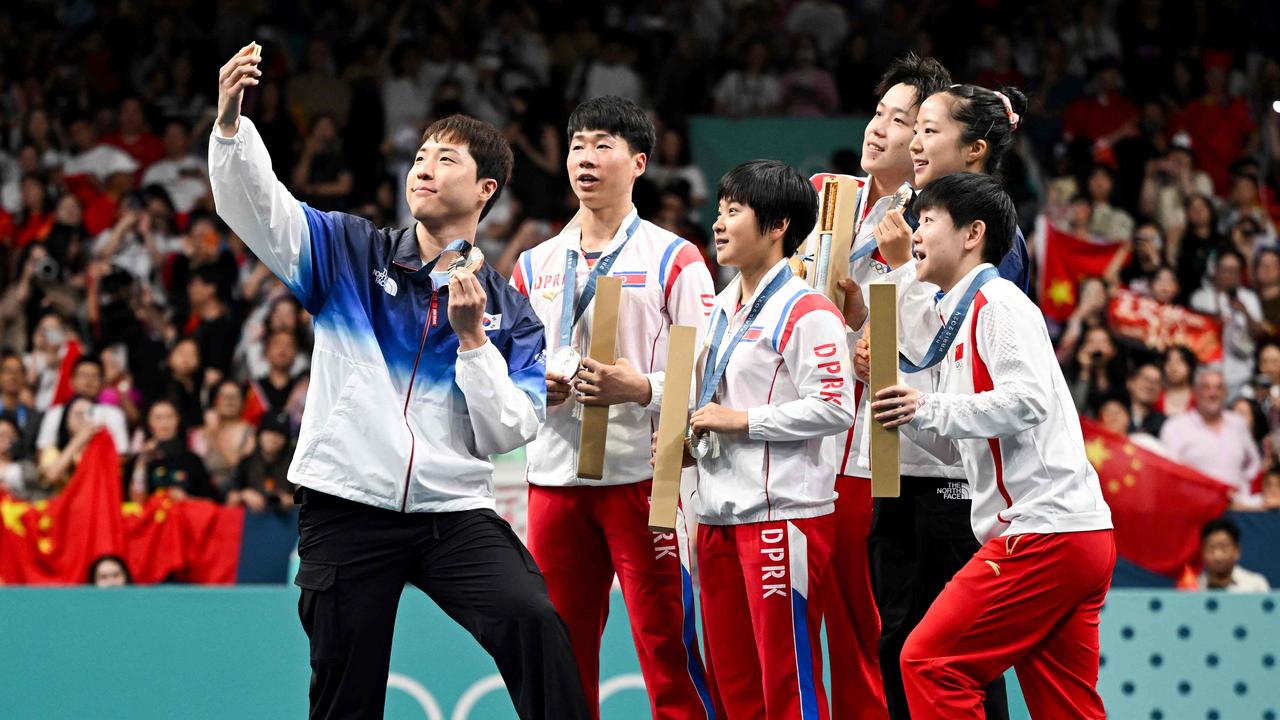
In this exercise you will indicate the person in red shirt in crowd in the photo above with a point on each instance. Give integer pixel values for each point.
(6, 228)
(1106, 116)
(101, 212)
(134, 136)
(1220, 126)
(36, 218)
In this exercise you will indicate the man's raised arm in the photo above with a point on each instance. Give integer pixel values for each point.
(246, 193)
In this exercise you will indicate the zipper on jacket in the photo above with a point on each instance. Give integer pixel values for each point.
(408, 394)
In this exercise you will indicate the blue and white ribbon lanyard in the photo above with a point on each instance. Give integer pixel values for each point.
(717, 362)
(942, 341)
(440, 278)
(571, 311)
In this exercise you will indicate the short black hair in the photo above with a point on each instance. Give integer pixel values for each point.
(776, 192)
(207, 273)
(157, 192)
(7, 418)
(1188, 358)
(968, 197)
(617, 116)
(1232, 252)
(1139, 367)
(486, 145)
(87, 360)
(925, 74)
(124, 566)
(1222, 524)
(1257, 354)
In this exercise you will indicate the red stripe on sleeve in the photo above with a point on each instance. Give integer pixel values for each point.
(982, 382)
(685, 256)
(517, 276)
(811, 302)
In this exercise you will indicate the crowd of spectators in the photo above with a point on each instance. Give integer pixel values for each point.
(1150, 125)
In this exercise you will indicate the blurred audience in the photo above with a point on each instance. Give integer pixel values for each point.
(261, 480)
(1215, 442)
(162, 460)
(126, 304)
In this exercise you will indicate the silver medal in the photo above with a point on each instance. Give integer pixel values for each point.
(900, 199)
(564, 361)
(699, 445)
(471, 261)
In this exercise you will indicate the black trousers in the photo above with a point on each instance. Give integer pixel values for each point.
(918, 542)
(355, 561)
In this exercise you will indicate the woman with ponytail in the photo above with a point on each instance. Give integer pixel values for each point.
(964, 128)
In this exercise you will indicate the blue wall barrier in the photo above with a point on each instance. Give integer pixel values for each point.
(269, 538)
(193, 653)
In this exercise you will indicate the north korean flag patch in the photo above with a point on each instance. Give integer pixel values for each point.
(753, 333)
(632, 279)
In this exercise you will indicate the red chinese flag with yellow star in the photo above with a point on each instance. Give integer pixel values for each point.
(54, 541)
(1157, 505)
(1067, 260)
(191, 540)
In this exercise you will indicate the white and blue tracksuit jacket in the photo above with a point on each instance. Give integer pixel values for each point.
(396, 416)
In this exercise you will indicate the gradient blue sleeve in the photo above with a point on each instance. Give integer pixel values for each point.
(526, 356)
(327, 256)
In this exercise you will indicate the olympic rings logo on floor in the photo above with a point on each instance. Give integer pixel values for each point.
(482, 687)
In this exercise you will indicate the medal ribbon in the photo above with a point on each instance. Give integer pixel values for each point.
(716, 363)
(570, 312)
(942, 341)
(441, 278)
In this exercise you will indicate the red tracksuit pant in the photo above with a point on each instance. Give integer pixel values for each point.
(853, 622)
(580, 537)
(762, 588)
(1026, 601)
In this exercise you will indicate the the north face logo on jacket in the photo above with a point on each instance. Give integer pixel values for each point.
(387, 282)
